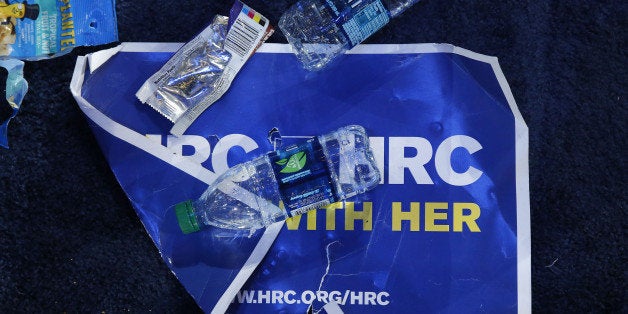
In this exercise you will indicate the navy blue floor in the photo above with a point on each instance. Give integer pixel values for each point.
(70, 240)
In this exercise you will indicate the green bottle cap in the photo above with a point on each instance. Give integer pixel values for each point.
(186, 217)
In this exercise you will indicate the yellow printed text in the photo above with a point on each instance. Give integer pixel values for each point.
(415, 216)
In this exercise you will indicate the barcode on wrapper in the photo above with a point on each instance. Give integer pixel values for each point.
(241, 38)
(246, 32)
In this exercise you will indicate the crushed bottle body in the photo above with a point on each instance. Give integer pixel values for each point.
(285, 183)
(321, 30)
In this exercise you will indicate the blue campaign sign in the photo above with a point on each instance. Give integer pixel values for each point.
(446, 230)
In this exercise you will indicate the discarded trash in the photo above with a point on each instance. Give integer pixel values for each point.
(43, 29)
(12, 74)
(203, 69)
(319, 30)
(425, 236)
(304, 176)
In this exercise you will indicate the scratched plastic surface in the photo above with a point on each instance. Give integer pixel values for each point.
(320, 31)
(304, 176)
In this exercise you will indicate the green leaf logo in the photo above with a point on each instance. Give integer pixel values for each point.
(295, 163)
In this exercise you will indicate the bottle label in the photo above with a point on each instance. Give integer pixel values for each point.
(358, 19)
(303, 177)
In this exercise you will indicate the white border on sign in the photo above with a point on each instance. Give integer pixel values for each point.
(524, 261)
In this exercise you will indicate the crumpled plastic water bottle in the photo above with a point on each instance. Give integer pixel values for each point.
(321, 30)
(309, 175)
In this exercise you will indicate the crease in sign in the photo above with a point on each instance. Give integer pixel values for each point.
(523, 257)
(182, 163)
(475, 80)
(320, 285)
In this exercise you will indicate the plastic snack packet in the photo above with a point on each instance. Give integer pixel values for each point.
(11, 72)
(40, 29)
(203, 69)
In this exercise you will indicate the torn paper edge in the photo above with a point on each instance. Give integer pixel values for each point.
(524, 280)
(177, 161)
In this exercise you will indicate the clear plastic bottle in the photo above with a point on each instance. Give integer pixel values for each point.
(309, 175)
(321, 30)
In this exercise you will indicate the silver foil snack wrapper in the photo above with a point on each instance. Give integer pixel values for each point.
(192, 76)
